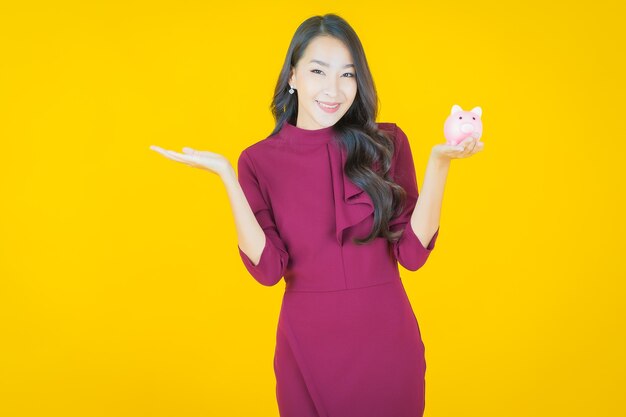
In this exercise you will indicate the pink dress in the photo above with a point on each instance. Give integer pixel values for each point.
(347, 343)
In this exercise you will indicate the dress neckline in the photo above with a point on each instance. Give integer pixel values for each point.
(299, 135)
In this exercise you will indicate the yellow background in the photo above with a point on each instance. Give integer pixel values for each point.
(121, 289)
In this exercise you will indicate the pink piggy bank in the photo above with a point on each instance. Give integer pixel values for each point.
(461, 124)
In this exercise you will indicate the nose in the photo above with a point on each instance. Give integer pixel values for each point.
(331, 87)
(467, 128)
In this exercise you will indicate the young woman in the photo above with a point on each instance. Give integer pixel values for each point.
(329, 201)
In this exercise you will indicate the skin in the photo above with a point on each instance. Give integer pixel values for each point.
(332, 80)
(331, 83)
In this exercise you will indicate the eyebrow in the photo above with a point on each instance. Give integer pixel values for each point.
(326, 65)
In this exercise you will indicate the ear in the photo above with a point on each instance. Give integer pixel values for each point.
(456, 108)
(292, 78)
(478, 111)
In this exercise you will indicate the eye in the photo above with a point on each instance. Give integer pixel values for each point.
(460, 117)
(474, 118)
(350, 75)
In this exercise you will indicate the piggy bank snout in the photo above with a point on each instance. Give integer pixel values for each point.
(467, 128)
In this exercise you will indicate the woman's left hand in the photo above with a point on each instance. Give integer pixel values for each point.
(468, 147)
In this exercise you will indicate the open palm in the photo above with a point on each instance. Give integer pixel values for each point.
(210, 161)
(468, 147)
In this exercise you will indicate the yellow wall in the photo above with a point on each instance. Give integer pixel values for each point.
(121, 289)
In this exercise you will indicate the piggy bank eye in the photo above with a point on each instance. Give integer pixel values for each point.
(474, 118)
(460, 117)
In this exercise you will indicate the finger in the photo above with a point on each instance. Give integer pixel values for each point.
(189, 151)
(172, 155)
(465, 147)
(473, 143)
(160, 150)
(477, 148)
(179, 157)
(191, 160)
(155, 148)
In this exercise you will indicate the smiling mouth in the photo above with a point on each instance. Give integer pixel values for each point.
(328, 105)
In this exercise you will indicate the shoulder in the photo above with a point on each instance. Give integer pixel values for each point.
(262, 145)
(387, 126)
(396, 132)
(257, 149)
(397, 135)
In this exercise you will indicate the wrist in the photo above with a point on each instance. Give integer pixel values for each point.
(228, 173)
(439, 159)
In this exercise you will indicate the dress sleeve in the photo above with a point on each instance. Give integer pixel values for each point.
(274, 258)
(408, 249)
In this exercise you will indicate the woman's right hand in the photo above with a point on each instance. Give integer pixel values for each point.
(209, 161)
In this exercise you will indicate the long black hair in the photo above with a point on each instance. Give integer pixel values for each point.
(369, 150)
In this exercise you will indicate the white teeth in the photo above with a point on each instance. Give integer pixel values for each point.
(328, 107)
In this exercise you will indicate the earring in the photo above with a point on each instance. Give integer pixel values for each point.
(291, 90)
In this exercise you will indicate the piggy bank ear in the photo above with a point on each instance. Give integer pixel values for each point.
(455, 109)
(478, 111)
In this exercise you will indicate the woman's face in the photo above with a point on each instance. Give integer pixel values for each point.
(325, 74)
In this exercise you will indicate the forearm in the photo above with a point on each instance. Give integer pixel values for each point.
(250, 235)
(427, 212)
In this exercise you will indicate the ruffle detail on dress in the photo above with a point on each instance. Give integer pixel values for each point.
(352, 204)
